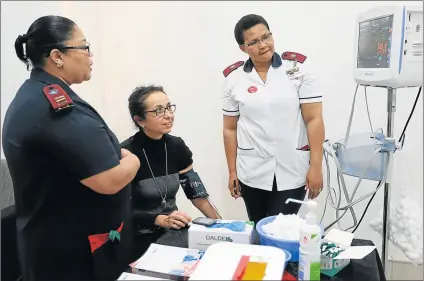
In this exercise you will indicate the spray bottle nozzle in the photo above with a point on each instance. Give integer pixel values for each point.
(310, 216)
(312, 205)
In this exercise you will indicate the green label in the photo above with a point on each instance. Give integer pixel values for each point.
(315, 273)
(250, 223)
(113, 234)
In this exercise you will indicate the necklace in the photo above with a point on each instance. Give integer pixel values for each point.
(166, 178)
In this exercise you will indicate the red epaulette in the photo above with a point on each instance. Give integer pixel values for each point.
(293, 56)
(57, 97)
(232, 67)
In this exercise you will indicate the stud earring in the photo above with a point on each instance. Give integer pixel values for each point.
(59, 64)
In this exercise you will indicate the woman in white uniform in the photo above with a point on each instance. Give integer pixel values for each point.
(273, 125)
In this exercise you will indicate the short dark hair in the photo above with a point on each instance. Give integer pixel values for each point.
(245, 23)
(44, 34)
(136, 100)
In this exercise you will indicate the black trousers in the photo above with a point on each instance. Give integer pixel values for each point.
(262, 203)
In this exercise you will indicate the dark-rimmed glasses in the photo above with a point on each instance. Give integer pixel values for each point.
(84, 47)
(160, 111)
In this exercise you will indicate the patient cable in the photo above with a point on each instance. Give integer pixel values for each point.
(386, 145)
(329, 150)
(214, 207)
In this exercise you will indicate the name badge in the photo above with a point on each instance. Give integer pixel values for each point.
(292, 70)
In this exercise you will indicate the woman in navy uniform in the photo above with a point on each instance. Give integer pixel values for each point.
(69, 172)
(166, 162)
(273, 125)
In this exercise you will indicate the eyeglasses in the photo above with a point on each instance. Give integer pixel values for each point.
(160, 111)
(85, 47)
(266, 38)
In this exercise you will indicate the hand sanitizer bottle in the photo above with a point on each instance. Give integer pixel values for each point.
(310, 244)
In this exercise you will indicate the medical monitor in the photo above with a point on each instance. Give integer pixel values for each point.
(389, 47)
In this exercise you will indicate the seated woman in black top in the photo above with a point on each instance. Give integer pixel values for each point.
(166, 162)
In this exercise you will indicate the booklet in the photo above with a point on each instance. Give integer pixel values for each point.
(169, 262)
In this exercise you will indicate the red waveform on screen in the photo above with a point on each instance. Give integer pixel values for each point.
(381, 48)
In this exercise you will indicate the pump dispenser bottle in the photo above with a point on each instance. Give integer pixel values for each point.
(310, 243)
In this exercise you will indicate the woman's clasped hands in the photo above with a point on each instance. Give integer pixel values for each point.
(175, 220)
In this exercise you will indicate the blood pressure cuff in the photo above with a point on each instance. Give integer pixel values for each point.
(192, 185)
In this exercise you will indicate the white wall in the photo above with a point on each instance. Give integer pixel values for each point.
(16, 17)
(186, 45)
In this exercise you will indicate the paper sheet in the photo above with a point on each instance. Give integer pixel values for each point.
(340, 237)
(355, 252)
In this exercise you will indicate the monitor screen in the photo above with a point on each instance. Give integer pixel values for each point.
(374, 43)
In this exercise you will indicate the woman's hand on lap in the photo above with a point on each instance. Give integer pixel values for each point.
(175, 220)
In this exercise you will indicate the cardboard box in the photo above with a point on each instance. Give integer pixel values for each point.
(343, 239)
(331, 267)
(201, 237)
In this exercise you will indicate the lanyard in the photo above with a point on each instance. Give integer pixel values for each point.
(166, 179)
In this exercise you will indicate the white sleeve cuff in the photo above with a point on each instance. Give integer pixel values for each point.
(230, 112)
(311, 99)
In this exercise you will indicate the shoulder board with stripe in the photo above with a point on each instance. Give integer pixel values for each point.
(57, 97)
(293, 56)
(232, 67)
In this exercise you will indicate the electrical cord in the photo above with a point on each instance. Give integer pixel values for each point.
(368, 110)
(402, 136)
(330, 151)
(350, 204)
(214, 207)
(365, 211)
(351, 116)
(401, 139)
(372, 197)
(329, 193)
(329, 196)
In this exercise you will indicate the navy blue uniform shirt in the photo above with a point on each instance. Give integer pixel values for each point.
(48, 154)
